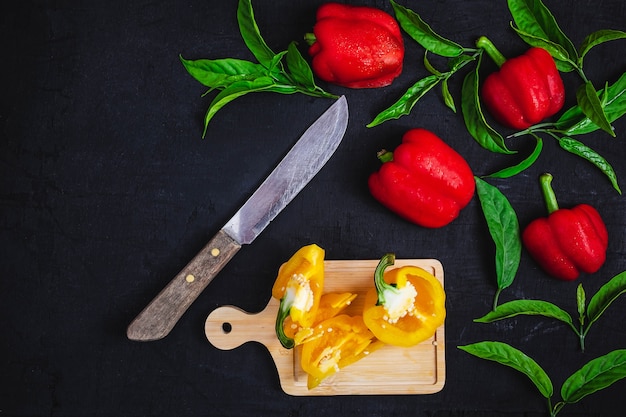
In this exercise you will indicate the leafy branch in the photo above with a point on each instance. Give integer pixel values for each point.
(286, 72)
(595, 375)
(535, 25)
(458, 57)
(587, 314)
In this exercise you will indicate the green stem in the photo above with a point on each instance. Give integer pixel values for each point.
(583, 335)
(495, 299)
(283, 312)
(485, 44)
(379, 277)
(539, 127)
(310, 38)
(557, 407)
(385, 156)
(582, 341)
(318, 92)
(545, 181)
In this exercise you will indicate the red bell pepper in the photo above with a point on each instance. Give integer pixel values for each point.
(568, 241)
(526, 90)
(424, 180)
(356, 46)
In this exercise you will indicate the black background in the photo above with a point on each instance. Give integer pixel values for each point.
(107, 190)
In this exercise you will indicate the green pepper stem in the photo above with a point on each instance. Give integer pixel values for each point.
(385, 156)
(485, 44)
(545, 181)
(379, 277)
(310, 38)
(283, 312)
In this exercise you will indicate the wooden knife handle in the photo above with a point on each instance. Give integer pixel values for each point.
(160, 316)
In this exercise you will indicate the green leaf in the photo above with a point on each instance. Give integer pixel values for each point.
(429, 67)
(447, 97)
(219, 73)
(405, 103)
(605, 296)
(504, 229)
(276, 64)
(232, 92)
(474, 118)
(526, 163)
(299, 68)
(556, 50)
(509, 356)
(534, 18)
(560, 55)
(419, 30)
(574, 121)
(595, 375)
(526, 307)
(251, 34)
(580, 149)
(597, 38)
(589, 102)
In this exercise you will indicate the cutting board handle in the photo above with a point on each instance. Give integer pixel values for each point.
(229, 327)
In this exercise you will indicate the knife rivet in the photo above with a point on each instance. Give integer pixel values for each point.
(190, 278)
(215, 252)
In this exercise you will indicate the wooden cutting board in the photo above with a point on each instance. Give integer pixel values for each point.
(390, 370)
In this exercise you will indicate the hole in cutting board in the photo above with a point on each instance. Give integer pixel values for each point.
(227, 327)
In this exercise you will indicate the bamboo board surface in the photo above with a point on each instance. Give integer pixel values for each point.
(389, 370)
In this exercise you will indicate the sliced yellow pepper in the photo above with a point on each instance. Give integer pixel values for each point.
(331, 304)
(337, 342)
(406, 306)
(299, 287)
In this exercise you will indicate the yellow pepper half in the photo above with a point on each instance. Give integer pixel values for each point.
(337, 342)
(299, 287)
(406, 306)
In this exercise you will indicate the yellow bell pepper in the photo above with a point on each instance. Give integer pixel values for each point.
(406, 306)
(337, 342)
(299, 287)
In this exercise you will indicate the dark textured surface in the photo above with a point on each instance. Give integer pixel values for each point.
(107, 190)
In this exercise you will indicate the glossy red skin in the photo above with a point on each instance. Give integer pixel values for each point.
(525, 91)
(356, 46)
(568, 242)
(427, 183)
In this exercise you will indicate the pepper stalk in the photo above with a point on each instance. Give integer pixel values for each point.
(283, 312)
(486, 45)
(545, 182)
(397, 299)
(379, 278)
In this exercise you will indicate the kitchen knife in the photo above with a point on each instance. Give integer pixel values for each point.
(297, 168)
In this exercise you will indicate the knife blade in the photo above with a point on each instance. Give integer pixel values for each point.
(295, 170)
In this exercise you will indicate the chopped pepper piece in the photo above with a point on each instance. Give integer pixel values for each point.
(299, 287)
(331, 304)
(406, 306)
(337, 343)
(568, 241)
